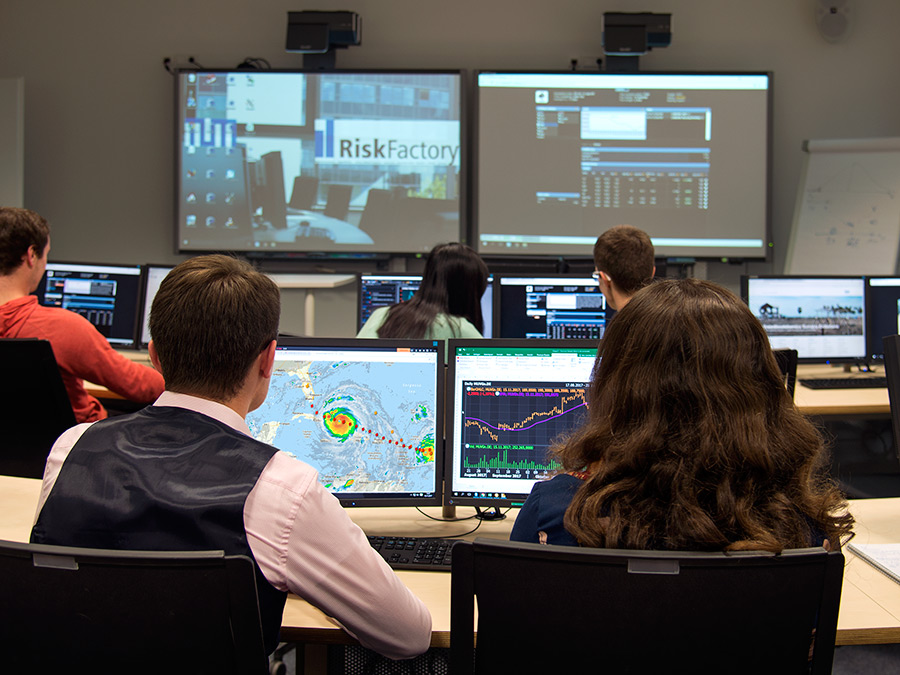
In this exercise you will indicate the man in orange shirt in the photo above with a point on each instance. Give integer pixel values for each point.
(81, 352)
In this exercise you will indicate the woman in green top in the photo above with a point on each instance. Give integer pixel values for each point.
(447, 304)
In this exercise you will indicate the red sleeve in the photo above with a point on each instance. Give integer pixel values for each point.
(82, 351)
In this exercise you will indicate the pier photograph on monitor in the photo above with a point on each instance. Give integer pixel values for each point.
(823, 318)
(290, 162)
(561, 157)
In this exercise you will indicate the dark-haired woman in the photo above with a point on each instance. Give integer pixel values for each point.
(446, 305)
(691, 441)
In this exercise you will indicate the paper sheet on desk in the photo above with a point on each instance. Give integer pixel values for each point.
(885, 557)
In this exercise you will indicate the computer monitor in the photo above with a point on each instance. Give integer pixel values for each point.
(550, 306)
(151, 278)
(366, 414)
(347, 163)
(882, 313)
(106, 295)
(891, 351)
(507, 401)
(823, 318)
(384, 290)
(683, 156)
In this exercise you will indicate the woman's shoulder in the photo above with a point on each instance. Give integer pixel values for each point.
(449, 326)
(373, 323)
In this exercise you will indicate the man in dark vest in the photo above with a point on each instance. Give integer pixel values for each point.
(185, 474)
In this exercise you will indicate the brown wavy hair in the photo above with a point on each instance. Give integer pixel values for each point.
(691, 436)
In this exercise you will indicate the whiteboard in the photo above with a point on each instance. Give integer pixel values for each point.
(847, 214)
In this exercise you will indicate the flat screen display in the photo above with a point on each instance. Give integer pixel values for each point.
(551, 307)
(561, 157)
(384, 290)
(882, 313)
(152, 278)
(106, 295)
(366, 414)
(508, 400)
(823, 318)
(288, 162)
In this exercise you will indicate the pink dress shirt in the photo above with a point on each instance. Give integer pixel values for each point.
(305, 543)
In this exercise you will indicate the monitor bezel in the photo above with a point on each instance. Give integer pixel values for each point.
(312, 253)
(359, 288)
(700, 254)
(871, 339)
(137, 309)
(840, 360)
(450, 407)
(498, 297)
(371, 499)
(144, 309)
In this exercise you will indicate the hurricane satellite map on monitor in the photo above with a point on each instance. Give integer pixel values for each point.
(365, 418)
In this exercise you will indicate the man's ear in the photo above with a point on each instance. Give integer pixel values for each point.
(154, 356)
(267, 360)
(31, 256)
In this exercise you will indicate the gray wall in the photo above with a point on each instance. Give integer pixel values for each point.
(99, 105)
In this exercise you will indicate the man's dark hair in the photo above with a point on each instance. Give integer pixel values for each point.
(626, 254)
(20, 229)
(211, 318)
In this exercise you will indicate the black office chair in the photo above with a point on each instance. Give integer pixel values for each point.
(83, 610)
(304, 193)
(787, 364)
(337, 203)
(378, 218)
(34, 406)
(557, 608)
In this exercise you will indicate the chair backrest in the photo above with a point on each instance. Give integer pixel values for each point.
(34, 406)
(787, 364)
(892, 374)
(304, 192)
(378, 217)
(337, 203)
(555, 608)
(83, 610)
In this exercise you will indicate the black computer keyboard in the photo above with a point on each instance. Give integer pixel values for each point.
(869, 382)
(414, 553)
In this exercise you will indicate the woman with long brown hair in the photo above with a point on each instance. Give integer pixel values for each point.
(691, 440)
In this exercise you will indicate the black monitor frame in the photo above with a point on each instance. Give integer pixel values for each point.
(352, 499)
(311, 240)
(360, 283)
(833, 359)
(501, 330)
(891, 347)
(672, 246)
(878, 323)
(147, 287)
(489, 500)
(128, 337)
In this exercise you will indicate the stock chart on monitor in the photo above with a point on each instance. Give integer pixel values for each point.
(510, 400)
(366, 414)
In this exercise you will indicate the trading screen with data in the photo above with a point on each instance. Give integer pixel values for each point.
(106, 295)
(510, 399)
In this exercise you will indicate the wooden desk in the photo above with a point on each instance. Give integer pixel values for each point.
(838, 402)
(870, 602)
